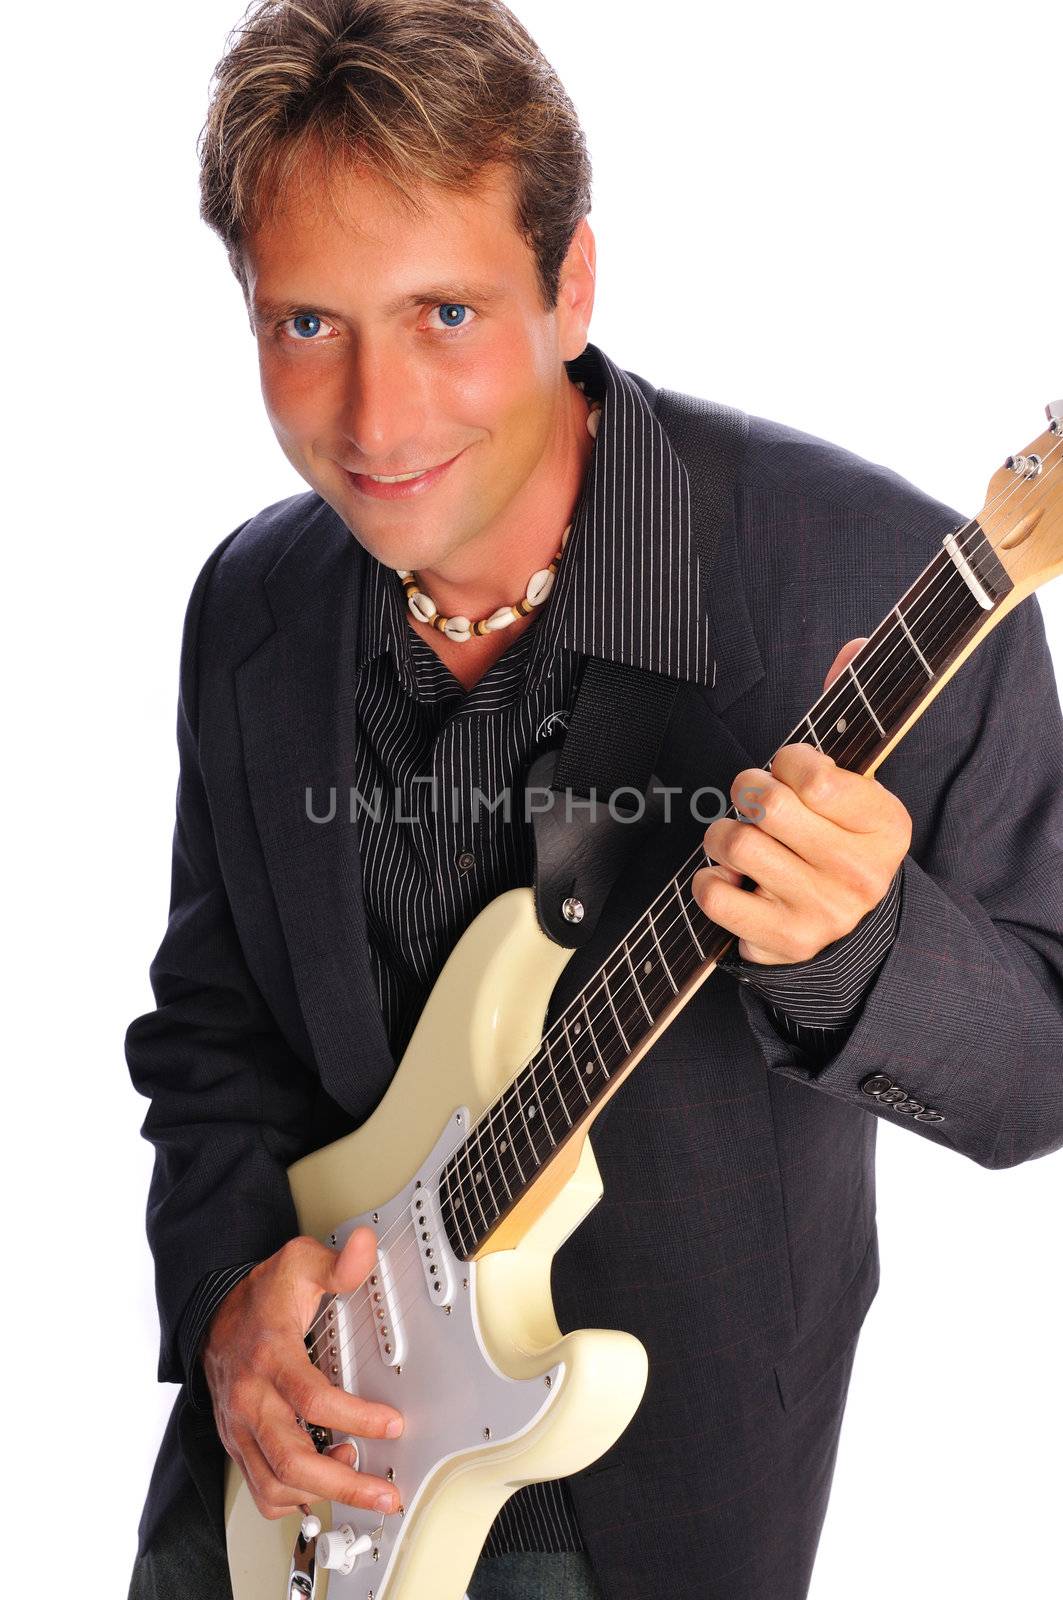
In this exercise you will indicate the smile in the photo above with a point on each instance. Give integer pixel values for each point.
(380, 487)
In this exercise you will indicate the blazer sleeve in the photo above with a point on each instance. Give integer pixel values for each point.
(816, 1003)
(960, 1036)
(230, 1102)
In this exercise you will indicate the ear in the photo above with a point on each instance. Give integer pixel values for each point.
(575, 297)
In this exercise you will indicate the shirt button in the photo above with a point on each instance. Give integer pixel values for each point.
(466, 861)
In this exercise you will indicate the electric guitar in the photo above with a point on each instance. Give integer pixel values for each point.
(476, 1165)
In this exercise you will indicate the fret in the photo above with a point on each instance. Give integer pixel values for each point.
(635, 981)
(686, 918)
(488, 1156)
(660, 952)
(848, 732)
(468, 1197)
(594, 1040)
(610, 1043)
(575, 1063)
(452, 1220)
(475, 1183)
(899, 614)
(895, 673)
(496, 1150)
(534, 1116)
(863, 696)
(612, 1008)
(626, 998)
(656, 980)
(709, 933)
(553, 1074)
(819, 715)
(509, 1130)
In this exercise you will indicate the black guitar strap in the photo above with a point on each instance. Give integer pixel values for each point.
(621, 713)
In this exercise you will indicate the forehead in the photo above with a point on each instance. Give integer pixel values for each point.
(349, 225)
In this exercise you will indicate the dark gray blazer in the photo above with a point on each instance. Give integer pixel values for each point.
(737, 1234)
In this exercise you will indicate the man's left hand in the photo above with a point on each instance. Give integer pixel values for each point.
(823, 850)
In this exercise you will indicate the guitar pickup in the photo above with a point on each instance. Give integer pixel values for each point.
(434, 1252)
(384, 1306)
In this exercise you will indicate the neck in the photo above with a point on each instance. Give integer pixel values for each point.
(493, 569)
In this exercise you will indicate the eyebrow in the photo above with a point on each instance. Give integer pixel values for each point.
(484, 294)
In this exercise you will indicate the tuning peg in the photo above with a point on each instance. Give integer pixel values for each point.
(1054, 413)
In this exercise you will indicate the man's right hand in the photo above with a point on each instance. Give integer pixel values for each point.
(261, 1379)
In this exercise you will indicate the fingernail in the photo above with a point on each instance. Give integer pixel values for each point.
(383, 1502)
(393, 1429)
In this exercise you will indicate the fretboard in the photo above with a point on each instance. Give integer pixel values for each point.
(661, 961)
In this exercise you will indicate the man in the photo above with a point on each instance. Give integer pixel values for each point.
(403, 190)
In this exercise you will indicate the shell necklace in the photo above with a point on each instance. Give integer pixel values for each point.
(539, 586)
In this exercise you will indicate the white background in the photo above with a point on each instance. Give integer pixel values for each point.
(839, 216)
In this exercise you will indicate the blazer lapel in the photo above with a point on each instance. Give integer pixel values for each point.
(296, 696)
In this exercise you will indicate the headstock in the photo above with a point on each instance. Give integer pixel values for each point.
(1023, 514)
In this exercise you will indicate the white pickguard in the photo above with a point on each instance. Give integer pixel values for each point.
(452, 1396)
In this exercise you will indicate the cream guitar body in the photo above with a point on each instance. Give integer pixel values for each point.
(492, 1393)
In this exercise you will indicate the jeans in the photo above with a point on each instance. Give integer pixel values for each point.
(186, 1561)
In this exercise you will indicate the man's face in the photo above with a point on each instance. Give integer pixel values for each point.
(390, 342)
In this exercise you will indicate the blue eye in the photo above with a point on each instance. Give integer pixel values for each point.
(447, 310)
(306, 317)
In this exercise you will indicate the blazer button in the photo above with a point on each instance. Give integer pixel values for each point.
(876, 1085)
(889, 1097)
(929, 1116)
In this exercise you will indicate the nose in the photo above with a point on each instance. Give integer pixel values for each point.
(383, 409)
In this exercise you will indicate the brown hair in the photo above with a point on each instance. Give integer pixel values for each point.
(416, 90)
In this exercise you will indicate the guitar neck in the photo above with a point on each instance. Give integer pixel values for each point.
(500, 1178)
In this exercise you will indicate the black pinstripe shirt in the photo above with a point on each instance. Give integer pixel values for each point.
(432, 857)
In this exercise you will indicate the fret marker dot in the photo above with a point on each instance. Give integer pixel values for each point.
(648, 967)
(577, 1027)
(502, 1145)
(589, 1068)
(479, 1177)
(841, 724)
(532, 1111)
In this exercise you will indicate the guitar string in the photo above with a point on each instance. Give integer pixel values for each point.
(699, 854)
(573, 1071)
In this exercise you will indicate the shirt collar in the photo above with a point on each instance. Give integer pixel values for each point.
(629, 586)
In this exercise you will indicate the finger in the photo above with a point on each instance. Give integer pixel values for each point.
(293, 1461)
(273, 1499)
(842, 659)
(772, 869)
(310, 1395)
(851, 800)
(761, 923)
(779, 812)
(352, 1265)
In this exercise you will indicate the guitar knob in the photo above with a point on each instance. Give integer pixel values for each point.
(340, 1550)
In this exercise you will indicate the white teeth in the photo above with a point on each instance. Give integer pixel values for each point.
(404, 477)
